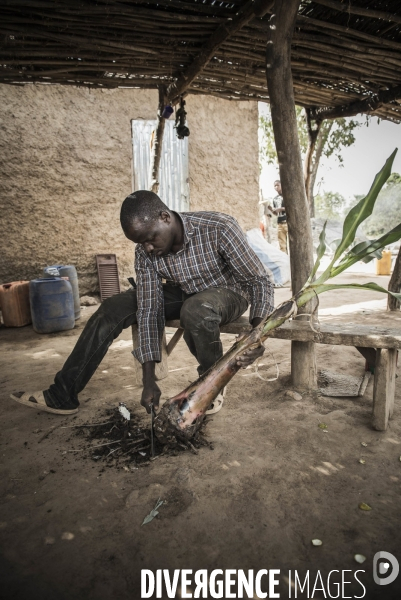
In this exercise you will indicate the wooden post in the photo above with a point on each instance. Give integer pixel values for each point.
(281, 93)
(384, 387)
(395, 284)
(157, 144)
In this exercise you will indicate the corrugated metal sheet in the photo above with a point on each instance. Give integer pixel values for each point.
(174, 171)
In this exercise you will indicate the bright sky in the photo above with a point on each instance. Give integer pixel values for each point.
(362, 161)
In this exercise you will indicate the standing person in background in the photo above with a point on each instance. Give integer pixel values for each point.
(279, 210)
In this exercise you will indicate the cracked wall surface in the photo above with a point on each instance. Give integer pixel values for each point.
(66, 166)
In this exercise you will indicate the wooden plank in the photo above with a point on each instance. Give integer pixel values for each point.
(384, 388)
(365, 336)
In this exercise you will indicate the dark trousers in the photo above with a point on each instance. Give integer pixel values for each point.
(200, 315)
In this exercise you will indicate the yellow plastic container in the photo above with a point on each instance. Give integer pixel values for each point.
(383, 265)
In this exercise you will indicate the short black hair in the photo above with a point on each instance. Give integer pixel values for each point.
(277, 181)
(142, 205)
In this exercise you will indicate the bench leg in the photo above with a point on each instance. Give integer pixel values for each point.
(384, 388)
(174, 340)
(303, 365)
(161, 369)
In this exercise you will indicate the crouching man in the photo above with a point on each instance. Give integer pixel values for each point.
(211, 276)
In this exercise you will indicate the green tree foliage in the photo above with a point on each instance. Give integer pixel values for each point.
(334, 135)
(267, 147)
(387, 210)
(340, 136)
(330, 205)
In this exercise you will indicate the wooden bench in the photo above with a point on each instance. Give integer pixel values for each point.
(378, 345)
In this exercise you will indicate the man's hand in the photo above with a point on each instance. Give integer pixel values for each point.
(151, 392)
(151, 395)
(249, 356)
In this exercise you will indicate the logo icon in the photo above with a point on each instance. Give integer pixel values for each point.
(385, 564)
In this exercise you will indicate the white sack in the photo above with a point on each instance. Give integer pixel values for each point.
(276, 263)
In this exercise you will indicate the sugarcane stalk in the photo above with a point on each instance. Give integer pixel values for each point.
(180, 417)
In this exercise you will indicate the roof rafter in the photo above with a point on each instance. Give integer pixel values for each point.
(251, 10)
(359, 10)
(360, 106)
(204, 46)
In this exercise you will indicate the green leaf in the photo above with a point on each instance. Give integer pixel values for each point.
(360, 251)
(359, 247)
(320, 251)
(367, 250)
(355, 286)
(367, 259)
(364, 208)
(388, 238)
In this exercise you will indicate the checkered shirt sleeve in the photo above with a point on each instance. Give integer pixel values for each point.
(247, 270)
(150, 314)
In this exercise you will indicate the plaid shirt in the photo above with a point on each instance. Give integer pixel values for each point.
(215, 253)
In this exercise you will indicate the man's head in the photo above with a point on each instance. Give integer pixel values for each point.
(277, 186)
(146, 220)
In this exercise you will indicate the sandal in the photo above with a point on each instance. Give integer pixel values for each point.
(37, 400)
(217, 404)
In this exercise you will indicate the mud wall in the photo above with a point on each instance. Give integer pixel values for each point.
(223, 157)
(66, 166)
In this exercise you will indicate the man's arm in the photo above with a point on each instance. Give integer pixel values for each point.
(277, 210)
(247, 269)
(150, 318)
(250, 272)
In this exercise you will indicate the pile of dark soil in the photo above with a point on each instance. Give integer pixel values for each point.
(116, 441)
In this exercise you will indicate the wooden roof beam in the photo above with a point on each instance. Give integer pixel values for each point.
(359, 10)
(366, 105)
(251, 10)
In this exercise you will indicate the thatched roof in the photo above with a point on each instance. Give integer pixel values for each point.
(343, 53)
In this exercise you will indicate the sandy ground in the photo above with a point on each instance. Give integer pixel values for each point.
(71, 528)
